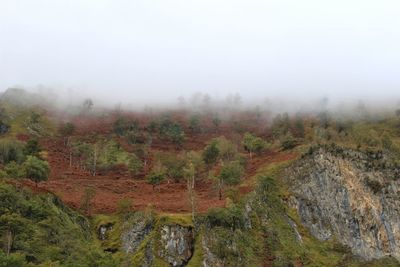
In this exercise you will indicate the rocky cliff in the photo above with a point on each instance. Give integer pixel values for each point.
(349, 196)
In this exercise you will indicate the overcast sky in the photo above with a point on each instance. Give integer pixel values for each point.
(138, 50)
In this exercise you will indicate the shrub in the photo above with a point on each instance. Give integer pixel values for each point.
(231, 173)
(124, 205)
(86, 201)
(67, 129)
(155, 178)
(227, 150)
(174, 165)
(36, 169)
(13, 170)
(171, 131)
(226, 217)
(194, 124)
(11, 150)
(135, 164)
(288, 142)
(253, 144)
(211, 153)
(32, 148)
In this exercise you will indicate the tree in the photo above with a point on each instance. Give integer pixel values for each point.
(13, 170)
(34, 117)
(32, 148)
(176, 134)
(230, 174)
(11, 150)
(253, 144)
(4, 118)
(227, 150)
(190, 172)
(155, 178)
(299, 127)
(288, 142)
(174, 165)
(135, 165)
(211, 153)
(280, 125)
(143, 152)
(66, 130)
(12, 224)
(87, 198)
(194, 124)
(194, 164)
(195, 160)
(171, 131)
(36, 169)
(80, 151)
(87, 104)
(216, 121)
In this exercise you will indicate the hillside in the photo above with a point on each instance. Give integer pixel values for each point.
(100, 187)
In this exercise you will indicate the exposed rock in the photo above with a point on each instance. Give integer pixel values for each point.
(103, 231)
(294, 227)
(134, 235)
(209, 259)
(176, 244)
(334, 196)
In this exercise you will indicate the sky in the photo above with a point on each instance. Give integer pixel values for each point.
(157, 50)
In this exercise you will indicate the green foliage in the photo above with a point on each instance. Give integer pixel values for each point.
(87, 200)
(4, 127)
(299, 128)
(32, 148)
(44, 231)
(126, 127)
(36, 169)
(171, 131)
(134, 164)
(216, 121)
(155, 178)
(67, 129)
(13, 260)
(13, 170)
(11, 150)
(280, 125)
(194, 124)
(174, 164)
(124, 206)
(387, 142)
(253, 144)
(211, 153)
(231, 218)
(288, 142)
(231, 173)
(227, 150)
(105, 155)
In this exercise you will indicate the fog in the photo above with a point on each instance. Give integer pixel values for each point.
(151, 52)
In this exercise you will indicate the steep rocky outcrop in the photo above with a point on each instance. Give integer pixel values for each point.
(350, 196)
(152, 240)
(176, 244)
(134, 234)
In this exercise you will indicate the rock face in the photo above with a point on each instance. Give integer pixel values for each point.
(351, 196)
(134, 235)
(103, 231)
(176, 244)
(209, 258)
